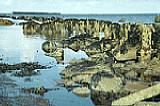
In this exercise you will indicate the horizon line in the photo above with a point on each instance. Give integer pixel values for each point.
(61, 13)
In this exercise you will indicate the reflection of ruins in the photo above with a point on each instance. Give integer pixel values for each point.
(122, 40)
(50, 48)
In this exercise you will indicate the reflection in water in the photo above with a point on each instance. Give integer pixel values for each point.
(50, 48)
(15, 47)
(27, 54)
(62, 55)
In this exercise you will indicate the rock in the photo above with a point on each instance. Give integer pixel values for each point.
(84, 77)
(157, 19)
(106, 82)
(26, 72)
(49, 47)
(118, 65)
(101, 98)
(39, 90)
(122, 20)
(131, 74)
(130, 55)
(138, 96)
(28, 67)
(147, 104)
(5, 22)
(134, 86)
(81, 91)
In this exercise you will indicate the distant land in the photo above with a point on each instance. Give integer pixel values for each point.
(58, 14)
(19, 13)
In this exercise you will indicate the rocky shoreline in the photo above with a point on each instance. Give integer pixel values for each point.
(123, 57)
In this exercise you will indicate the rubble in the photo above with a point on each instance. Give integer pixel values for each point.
(123, 57)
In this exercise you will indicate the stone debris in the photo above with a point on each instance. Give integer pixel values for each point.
(138, 96)
(123, 64)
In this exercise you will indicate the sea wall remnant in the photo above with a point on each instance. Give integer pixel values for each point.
(126, 54)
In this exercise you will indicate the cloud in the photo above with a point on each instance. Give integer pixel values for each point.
(8, 2)
(82, 6)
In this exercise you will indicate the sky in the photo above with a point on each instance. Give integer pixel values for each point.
(82, 6)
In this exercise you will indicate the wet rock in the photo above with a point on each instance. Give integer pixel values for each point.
(24, 101)
(28, 79)
(122, 20)
(81, 91)
(39, 90)
(138, 96)
(106, 82)
(49, 47)
(147, 104)
(28, 67)
(157, 19)
(130, 55)
(101, 98)
(5, 22)
(26, 72)
(82, 72)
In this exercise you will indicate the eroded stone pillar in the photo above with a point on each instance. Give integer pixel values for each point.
(146, 47)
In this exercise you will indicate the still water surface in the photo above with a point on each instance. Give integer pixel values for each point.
(15, 47)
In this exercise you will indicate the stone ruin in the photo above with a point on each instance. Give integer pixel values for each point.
(126, 54)
(134, 39)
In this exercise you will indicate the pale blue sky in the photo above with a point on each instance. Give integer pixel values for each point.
(82, 6)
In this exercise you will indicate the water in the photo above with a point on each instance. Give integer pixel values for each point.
(133, 18)
(16, 47)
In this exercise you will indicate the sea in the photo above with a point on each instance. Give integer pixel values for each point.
(132, 18)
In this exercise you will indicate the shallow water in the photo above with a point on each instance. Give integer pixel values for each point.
(15, 47)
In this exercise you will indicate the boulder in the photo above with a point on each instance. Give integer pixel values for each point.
(81, 91)
(106, 82)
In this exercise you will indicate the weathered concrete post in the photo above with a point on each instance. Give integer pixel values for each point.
(82, 27)
(96, 31)
(107, 32)
(126, 30)
(146, 43)
(113, 29)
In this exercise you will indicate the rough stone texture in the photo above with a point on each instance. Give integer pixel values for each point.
(106, 82)
(5, 22)
(147, 104)
(138, 96)
(81, 91)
